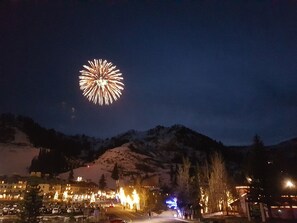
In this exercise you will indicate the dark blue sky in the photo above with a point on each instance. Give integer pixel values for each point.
(227, 69)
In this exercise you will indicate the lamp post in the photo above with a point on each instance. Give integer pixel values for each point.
(289, 185)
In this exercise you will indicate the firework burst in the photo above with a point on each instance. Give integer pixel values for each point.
(101, 82)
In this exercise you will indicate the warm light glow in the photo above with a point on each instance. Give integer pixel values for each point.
(92, 200)
(122, 196)
(129, 202)
(132, 201)
(56, 196)
(289, 184)
(101, 82)
(135, 197)
(249, 179)
(65, 195)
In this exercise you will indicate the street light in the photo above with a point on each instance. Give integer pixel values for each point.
(290, 185)
(249, 179)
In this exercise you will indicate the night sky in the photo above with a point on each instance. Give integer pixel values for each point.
(226, 69)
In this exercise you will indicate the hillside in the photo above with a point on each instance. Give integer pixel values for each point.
(167, 143)
(284, 155)
(63, 150)
(16, 156)
(154, 152)
(130, 163)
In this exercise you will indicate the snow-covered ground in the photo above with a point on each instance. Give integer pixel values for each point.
(126, 160)
(16, 156)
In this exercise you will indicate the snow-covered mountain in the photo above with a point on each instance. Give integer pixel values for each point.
(163, 142)
(131, 165)
(148, 153)
(144, 154)
(16, 156)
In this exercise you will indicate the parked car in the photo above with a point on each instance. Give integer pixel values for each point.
(77, 210)
(70, 210)
(5, 211)
(55, 211)
(43, 210)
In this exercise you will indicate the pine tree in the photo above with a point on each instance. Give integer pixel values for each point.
(116, 175)
(31, 204)
(102, 182)
(257, 161)
(71, 175)
(115, 172)
(256, 169)
(175, 175)
(261, 177)
(172, 174)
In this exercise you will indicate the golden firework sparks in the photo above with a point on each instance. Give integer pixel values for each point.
(101, 82)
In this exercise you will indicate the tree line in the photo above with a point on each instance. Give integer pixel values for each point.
(209, 186)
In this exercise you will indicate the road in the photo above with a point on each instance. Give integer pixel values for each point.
(115, 212)
(139, 217)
